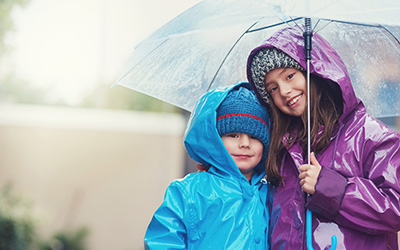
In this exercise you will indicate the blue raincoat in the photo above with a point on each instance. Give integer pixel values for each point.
(357, 195)
(218, 209)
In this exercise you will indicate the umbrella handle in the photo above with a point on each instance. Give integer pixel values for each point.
(309, 233)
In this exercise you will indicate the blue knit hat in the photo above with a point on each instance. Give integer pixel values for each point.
(241, 112)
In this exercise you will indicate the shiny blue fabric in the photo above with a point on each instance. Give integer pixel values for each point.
(218, 209)
(357, 194)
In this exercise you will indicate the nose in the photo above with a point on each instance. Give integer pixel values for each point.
(244, 141)
(285, 88)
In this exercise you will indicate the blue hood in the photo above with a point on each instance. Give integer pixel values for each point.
(203, 142)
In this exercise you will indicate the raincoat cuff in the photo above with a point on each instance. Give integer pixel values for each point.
(329, 192)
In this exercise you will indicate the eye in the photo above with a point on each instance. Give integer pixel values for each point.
(232, 135)
(290, 76)
(272, 89)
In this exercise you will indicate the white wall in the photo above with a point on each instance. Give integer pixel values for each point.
(107, 170)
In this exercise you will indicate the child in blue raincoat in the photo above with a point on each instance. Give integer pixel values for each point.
(224, 208)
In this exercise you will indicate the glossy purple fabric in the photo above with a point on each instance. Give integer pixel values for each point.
(358, 190)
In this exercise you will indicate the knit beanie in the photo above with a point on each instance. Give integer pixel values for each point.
(265, 60)
(241, 112)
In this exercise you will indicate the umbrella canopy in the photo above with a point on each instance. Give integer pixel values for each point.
(207, 46)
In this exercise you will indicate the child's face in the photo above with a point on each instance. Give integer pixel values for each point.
(245, 150)
(288, 89)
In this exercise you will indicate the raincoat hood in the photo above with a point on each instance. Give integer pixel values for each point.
(204, 144)
(325, 62)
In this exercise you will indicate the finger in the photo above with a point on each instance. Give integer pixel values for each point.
(304, 168)
(313, 159)
(304, 174)
(305, 188)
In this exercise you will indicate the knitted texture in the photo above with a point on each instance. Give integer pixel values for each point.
(241, 112)
(264, 61)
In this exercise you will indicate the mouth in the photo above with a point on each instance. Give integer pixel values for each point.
(243, 156)
(294, 100)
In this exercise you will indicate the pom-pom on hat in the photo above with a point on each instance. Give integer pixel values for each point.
(264, 61)
(241, 112)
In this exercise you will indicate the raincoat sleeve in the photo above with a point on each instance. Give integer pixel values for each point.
(368, 203)
(167, 228)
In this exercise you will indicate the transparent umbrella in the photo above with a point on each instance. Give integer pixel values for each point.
(207, 46)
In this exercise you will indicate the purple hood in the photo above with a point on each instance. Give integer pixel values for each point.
(357, 195)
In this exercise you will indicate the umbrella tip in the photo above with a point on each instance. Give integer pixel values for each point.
(113, 85)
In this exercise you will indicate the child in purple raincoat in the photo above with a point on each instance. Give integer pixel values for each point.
(353, 180)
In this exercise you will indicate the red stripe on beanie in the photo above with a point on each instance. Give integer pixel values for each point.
(243, 114)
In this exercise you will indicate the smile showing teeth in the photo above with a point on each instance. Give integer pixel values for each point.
(294, 100)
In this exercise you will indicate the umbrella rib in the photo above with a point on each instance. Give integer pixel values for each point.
(329, 21)
(230, 50)
(388, 31)
(273, 25)
(237, 41)
(353, 23)
(133, 66)
(316, 31)
(361, 24)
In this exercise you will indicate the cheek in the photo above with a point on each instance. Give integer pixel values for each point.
(301, 83)
(259, 149)
(228, 145)
(277, 101)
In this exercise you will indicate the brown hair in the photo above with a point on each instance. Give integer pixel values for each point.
(326, 107)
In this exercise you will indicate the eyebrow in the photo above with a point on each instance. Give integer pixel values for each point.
(283, 71)
(280, 73)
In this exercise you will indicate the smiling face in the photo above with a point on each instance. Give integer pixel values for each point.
(245, 150)
(287, 88)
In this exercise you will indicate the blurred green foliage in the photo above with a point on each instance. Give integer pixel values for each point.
(16, 224)
(75, 240)
(14, 90)
(18, 227)
(6, 23)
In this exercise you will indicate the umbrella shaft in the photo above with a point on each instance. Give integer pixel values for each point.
(308, 114)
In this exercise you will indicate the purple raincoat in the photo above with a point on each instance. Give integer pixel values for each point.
(357, 194)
